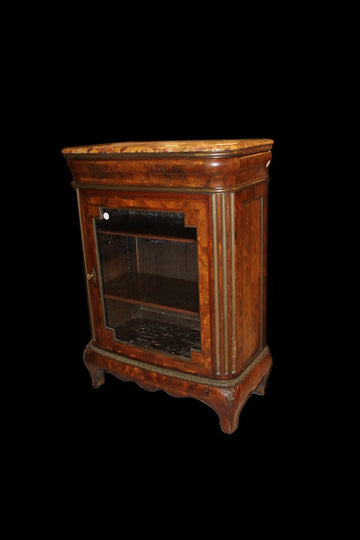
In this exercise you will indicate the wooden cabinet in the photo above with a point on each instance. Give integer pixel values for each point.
(174, 238)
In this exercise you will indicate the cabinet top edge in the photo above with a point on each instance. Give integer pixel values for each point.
(182, 148)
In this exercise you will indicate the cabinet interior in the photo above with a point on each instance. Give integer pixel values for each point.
(149, 276)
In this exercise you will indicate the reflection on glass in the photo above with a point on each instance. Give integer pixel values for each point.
(149, 270)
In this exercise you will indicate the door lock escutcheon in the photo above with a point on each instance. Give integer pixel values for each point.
(91, 276)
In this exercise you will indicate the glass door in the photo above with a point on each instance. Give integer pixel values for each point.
(149, 279)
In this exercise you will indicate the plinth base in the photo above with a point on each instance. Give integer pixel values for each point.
(227, 398)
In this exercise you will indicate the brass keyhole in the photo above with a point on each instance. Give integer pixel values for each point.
(92, 275)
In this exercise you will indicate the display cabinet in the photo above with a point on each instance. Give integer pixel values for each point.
(175, 250)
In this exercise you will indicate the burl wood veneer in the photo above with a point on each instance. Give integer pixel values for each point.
(175, 247)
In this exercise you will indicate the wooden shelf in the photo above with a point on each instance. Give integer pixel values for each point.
(160, 292)
(161, 225)
(149, 236)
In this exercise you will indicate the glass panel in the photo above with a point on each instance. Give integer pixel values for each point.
(149, 269)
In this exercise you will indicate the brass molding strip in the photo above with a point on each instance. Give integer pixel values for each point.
(100, 270)
(159, 189)
(216, 283)
(232, 282)
(225, 283)
(199, 379)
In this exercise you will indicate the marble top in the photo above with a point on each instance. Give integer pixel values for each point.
(212, 146)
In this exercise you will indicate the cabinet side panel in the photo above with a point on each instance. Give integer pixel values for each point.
(252, 262)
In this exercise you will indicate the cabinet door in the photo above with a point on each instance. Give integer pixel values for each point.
(147, 258)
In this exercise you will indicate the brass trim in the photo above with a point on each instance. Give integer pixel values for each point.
(216, 283)
(100, 268)
(167, 372)
(232, 282)
(164, 189)
(225, 283)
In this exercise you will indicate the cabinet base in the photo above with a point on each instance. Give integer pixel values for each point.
(227, 398)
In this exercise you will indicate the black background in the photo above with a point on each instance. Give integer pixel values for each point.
(122, 414)
(120, 456)
(122, 435)
(120, 441)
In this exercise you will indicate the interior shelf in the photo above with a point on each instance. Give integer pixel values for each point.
(150, 235)
(156, 291)
(147, 224)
